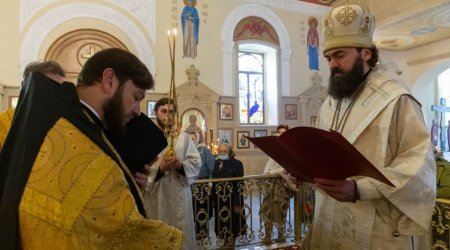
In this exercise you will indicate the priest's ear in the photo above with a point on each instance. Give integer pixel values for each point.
(109, 81)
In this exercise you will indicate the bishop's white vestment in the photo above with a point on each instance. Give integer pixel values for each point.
(386, 125)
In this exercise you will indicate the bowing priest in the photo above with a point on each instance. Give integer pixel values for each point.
(61, 178)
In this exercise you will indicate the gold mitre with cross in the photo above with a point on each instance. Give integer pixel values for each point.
(348, 26)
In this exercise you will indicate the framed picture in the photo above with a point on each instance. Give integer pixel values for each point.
(150, 109)
(226, 111)
(290, 111)
(259, 133)
(242, 142)
(194, 120)
(12, 102)
(225, 136)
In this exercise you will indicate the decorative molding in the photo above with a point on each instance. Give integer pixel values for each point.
(143, 10)
(42, 27)
(294, 5)
(429, 59)
(227, 47)
(230, 23)
(436, 15)
(28, 8)
(286, 54)
(424, 27)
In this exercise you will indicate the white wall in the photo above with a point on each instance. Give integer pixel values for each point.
(420, 67)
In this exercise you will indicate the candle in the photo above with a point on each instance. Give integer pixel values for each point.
(172, 131)
(210, 135)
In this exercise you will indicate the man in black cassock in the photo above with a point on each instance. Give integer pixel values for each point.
(227, 196)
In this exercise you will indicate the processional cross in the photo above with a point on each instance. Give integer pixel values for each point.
(441, 109)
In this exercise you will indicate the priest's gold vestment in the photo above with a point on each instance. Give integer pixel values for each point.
(77, 198)
(5, 124)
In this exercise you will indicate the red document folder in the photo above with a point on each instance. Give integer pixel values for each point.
(309, 153)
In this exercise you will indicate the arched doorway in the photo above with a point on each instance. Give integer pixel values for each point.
(73, 49)
(425, 91)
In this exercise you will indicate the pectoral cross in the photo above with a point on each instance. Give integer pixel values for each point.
(441, 109)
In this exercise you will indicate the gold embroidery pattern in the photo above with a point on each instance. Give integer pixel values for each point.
(346, 16)
(5, 124)
(329, 29)
(77, 197)
(365, 25)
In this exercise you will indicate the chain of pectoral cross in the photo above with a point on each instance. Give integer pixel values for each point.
(337, 123)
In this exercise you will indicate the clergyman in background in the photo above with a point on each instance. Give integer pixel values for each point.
(168, 197)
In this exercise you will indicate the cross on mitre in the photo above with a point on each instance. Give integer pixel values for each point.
(347, 15)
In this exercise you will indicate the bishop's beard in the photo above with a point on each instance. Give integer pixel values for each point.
(345, 85)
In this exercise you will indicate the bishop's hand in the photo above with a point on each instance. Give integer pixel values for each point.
(340, 190)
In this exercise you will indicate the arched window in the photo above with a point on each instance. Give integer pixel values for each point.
(257, 70)
(251, 87)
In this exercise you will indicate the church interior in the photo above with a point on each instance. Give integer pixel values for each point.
(279, 42)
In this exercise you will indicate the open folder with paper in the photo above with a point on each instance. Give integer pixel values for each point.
(309, 153)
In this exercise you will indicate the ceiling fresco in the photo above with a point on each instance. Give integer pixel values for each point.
(412, 25)
(405, 24)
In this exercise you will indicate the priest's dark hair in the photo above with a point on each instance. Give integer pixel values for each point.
(161, 102)
(126, 67)
(374, 59)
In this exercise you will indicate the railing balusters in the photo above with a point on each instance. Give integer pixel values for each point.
(252, 192)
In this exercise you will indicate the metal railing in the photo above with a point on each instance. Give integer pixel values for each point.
(267, 212)
(440, 225)
(250, 210)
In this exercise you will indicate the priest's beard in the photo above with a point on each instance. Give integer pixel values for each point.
(162, 124)
(344, 86)
(115, 115)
